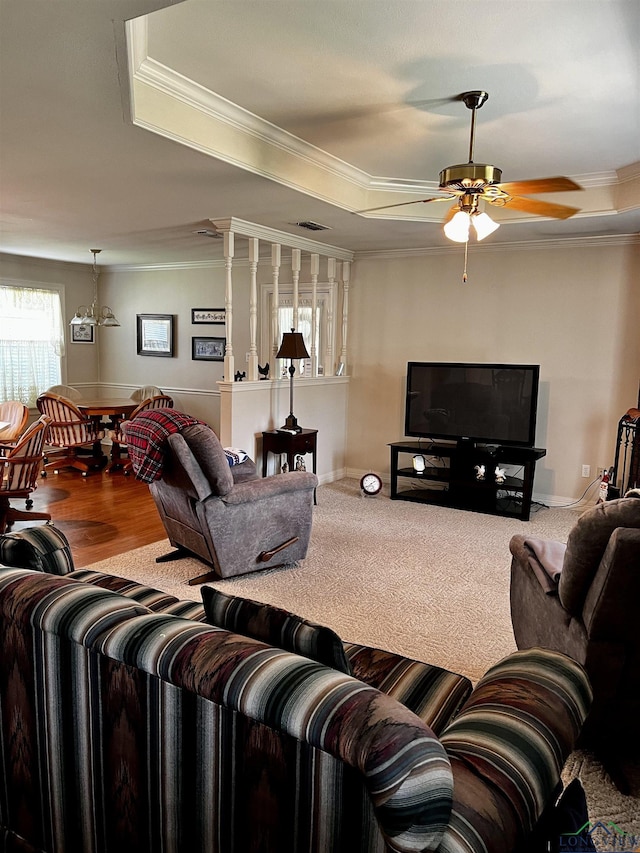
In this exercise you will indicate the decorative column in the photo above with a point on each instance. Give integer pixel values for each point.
(331, 278)
(346, 273)
(295, 272)
(229, 367)
(275, 325)
(254, 249)
(315, 269)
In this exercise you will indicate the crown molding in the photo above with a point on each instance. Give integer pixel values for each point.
(283, 238)
(290, 160)
(47, 262)
(516, 246)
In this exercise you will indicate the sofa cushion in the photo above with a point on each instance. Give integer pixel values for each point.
(586, 545)
(432, 693)
(62, 607)
(275, 626)
(154, 599)
(45, 549)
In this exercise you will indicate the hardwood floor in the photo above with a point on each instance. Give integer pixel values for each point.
(101, 515)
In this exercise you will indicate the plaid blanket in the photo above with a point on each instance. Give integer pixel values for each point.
(146, 436)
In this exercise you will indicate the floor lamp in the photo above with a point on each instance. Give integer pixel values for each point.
(292, 347)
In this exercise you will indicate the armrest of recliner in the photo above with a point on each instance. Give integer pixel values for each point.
(267, 487)
(508, 745)
(543, 557)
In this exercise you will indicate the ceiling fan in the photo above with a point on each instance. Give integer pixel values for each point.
(470, 182)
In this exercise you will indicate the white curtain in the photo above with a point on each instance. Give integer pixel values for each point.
(31, 342)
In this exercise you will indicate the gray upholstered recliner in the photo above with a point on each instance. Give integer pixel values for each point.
(227, 515)
(582, 599)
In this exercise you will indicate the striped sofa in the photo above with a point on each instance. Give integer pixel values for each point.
(130, 724)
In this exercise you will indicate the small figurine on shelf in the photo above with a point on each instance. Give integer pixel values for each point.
(501, 475)
(240, 376)
(300, 466)
(285, 467)
(264, 371)
(479, 469)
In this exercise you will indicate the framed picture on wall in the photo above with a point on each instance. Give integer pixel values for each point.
(155, 334)
(82, 334)
(208, 315)
(207, 349)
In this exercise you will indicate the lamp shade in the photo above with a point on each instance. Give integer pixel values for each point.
(484, 225)
(292, 346)
(458, 228)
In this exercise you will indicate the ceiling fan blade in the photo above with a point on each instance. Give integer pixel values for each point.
(539, 185)
(532, 205)
(403, 203)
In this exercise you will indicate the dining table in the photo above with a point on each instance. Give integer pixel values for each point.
(115, 409)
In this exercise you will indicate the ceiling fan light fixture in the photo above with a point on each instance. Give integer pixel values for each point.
(457, 229)
(483, 225)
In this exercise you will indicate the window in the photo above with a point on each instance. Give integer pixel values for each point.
(31, 342)
(325, 326)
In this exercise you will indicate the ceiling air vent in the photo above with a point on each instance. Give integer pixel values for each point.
(207, 232)
(312, 226)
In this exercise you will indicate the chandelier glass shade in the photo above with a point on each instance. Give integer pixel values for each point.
(92, 315)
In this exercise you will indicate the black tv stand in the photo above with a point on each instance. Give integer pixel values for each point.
(451, 478)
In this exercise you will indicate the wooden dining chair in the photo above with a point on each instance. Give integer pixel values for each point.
(67, 391)
(146, 392)
(19, 472)
(16, 414)
(70, 431)
(118, 436)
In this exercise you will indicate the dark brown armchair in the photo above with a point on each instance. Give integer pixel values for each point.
(19, 472)
(582, 599)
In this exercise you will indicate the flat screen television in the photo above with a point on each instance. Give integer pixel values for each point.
(472, 403)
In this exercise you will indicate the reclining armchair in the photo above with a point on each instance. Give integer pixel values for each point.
(582, 599)
(225, 514)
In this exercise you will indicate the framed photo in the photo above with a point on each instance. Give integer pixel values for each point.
(208, 315)
(207, 349)
(155, 334)
(83, 334)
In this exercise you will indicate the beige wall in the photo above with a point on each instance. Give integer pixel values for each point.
(574, 311)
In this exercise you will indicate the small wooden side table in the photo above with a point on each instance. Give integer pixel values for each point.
(293, 444)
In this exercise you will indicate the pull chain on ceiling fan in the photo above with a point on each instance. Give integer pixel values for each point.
(470, 182)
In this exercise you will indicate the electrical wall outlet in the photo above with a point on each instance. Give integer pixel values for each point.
(586, 470)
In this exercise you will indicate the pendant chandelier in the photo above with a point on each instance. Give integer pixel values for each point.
(94, 316)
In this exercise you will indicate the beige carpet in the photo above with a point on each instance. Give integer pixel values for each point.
(424, 581)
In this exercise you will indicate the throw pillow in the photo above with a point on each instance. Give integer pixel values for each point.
(235, 456)
(275, 626)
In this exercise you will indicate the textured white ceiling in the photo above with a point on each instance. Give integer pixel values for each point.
(368, 82)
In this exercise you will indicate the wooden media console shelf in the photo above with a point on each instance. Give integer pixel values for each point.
(450, 477)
